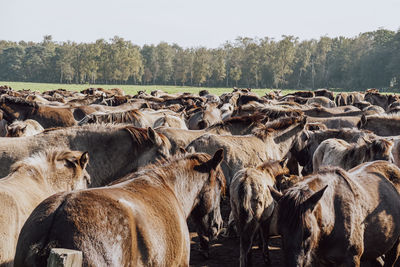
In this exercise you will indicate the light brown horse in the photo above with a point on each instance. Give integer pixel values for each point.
(24, 128)
(116, 150)
(31, 181)
(140, 221)
(339, 153)
(334, 217)
(252, 205)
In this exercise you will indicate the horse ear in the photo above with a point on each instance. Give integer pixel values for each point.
(276, 195)
(212, 164)
(154, 137)
(182, 150)
(190, 149)
(362, 122)
(284, 161)
(304, 121)
(24, 128)
(312, 201)
(84, 159)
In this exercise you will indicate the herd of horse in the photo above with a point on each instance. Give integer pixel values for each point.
(124, 178)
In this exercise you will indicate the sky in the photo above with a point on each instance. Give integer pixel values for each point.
(190, 23)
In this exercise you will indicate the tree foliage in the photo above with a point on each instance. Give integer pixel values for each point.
(371, 59)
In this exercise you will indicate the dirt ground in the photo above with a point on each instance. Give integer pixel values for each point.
(225, 250)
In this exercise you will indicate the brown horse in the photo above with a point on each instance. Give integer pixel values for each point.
(140, 221)
(48, 116)
(271, 141)
(334, 217)
(252, 205)
(31, 181)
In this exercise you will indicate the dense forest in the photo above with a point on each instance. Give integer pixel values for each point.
(371, 59)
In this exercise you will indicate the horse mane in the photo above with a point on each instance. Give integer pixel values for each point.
(17, 100)
(275, 113)
(341, 174)
(273, 167)
(276, 125)
(292, 211)
(141, 136)
(128, 116)
(391, 116)
(245, 119)
(381, 145)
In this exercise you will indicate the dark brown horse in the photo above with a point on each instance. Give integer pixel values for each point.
(335, 217)
(140, 221)
(48, 116)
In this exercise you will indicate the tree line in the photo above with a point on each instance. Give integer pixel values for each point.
(371, 59)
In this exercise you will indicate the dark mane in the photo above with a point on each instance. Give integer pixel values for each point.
(128, 116)
(245, 119)
(275, 113)
(341, 174)
(17, 100)
(276, 125)
(140, 135)
(291, 210)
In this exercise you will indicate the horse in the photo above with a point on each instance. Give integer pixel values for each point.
(138, 221)
(271, 141)
(24, 128)
(305, 146)
(337, 152)
(48, 116)
(116, 150)
(31, 181)
(252, 205)
(334, 217)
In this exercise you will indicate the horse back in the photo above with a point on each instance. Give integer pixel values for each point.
(111, 226)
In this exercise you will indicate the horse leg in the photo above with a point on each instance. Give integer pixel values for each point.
(353, 261)
(204, 245)
(246, 241)
(391, 257)
(264, 230)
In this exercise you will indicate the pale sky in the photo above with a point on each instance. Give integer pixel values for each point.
(192, 23)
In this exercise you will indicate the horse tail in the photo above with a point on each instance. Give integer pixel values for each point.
(246, 212)
(39, 251)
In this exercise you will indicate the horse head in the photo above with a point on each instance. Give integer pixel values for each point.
(207, 213)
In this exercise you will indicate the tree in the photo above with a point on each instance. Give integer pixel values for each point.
(201, 66)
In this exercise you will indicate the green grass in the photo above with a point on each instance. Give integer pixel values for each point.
(129, 89)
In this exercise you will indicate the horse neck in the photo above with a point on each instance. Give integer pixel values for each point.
(29, 177)
(186, 186)
(10, 110)
(284, 139)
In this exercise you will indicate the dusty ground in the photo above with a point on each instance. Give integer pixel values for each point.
(225, 250)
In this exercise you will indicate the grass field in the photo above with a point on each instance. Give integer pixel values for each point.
(129, 89)
(132, 89)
